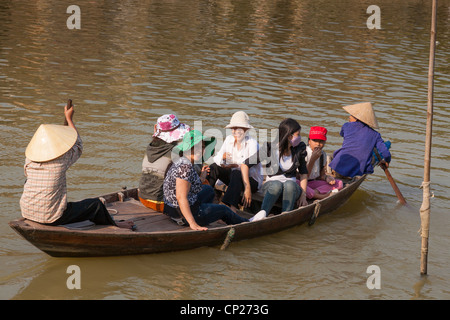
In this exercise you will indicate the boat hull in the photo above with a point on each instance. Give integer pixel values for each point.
(113, 241)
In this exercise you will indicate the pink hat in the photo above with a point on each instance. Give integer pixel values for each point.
(318, 133)
(170, 129)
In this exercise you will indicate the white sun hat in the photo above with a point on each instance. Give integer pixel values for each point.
(50, 141)
(364, 113)
(239, 120)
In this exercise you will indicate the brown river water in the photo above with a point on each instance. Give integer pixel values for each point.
(132, 61)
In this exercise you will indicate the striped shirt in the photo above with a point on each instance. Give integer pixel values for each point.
(44, 197)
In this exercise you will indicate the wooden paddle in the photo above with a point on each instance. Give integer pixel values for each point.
(389, 176)
(69, 105)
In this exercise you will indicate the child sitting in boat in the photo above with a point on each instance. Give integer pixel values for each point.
(320, 185)
(354, 158)
(50, 153)
(168, 132)
(186, 199)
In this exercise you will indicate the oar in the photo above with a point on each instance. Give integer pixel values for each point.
(69, 105)
(391, 180)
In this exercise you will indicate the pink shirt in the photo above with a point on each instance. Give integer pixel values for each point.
(44, 197)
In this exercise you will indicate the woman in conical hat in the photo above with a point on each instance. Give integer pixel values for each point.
(50, 153)
(364, 113)
(354, 158)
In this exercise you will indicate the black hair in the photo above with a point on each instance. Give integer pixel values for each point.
(286, 128)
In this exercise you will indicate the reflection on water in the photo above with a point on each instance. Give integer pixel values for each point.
(132, 61)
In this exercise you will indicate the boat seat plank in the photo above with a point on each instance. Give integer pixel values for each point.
(130, 206)
(150, 224)
(94, 229)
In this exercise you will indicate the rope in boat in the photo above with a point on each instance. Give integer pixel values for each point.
(111, 211)
(315, 214)
(228, 238)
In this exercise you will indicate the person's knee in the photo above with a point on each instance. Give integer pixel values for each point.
(207, 191)
(213, 169)
(207, 188)
(275, 187)
(291, 187)
(309, 192)
(93, 204)
(235, 174)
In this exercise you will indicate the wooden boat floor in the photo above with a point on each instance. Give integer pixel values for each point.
(146, 220)
(149, 220)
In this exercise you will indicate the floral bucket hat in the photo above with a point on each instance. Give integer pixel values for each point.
(170, 129)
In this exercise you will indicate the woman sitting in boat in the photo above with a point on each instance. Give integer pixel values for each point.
(354, 158)
(320, 185)
(284, 160)
(186, 199)
(236, 148)
(50, 153)
(168, 132)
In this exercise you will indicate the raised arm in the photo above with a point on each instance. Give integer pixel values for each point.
(69, 110)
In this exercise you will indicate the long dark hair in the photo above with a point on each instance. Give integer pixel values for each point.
(285, 129)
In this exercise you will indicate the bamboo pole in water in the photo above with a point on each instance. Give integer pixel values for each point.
(425, 208)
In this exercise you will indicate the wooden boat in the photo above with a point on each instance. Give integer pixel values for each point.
(156, 232)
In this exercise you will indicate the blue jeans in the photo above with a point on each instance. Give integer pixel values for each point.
(209, 212)
(272, 190)
(206, 195)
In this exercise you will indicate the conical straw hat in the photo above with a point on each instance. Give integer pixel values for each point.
(364, 113)
(50, 141)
